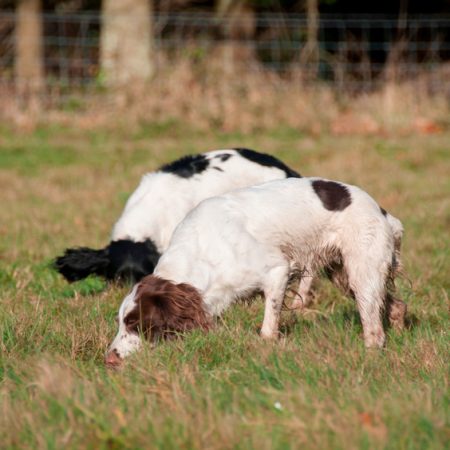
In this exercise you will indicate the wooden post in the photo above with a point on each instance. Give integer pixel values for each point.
(310, 54)
(126, 42)
(29, 65)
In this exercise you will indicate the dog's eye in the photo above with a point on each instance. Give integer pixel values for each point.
(129, 321)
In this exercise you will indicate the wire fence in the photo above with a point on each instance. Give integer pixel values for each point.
(354, 53)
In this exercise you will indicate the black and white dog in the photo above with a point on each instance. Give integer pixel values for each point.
(160, 203)
(257, 239)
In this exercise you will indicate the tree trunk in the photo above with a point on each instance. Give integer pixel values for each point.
(29, 66)
(126, 42)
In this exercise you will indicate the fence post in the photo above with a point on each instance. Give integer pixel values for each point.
(310, 54)
(126, 42)
(29, 66)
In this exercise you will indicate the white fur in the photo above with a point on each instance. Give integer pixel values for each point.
(162, 199)
(257, 238)
(126, 342)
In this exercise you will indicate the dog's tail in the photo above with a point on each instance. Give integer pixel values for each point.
(396, 308)
(397, 231)
(79, 263)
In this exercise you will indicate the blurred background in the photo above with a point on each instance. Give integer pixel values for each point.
(340, 65)
(93, 94)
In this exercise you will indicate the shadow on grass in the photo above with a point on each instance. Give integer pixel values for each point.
(344, 318)
(411, 322)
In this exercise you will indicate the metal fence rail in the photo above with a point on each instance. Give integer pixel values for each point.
(354, 52)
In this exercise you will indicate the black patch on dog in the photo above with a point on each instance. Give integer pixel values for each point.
(224, 156)
(218, 168)
(187, 166)
(383, 211)
(131, 261)
(79, 263)
(123, 260)
(267, 160)
(334, 196)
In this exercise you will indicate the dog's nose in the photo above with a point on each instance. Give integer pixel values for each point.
(113, 359)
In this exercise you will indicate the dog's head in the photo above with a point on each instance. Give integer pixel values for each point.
(131, 261)
(156, 309)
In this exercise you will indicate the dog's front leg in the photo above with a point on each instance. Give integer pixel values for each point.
(274, 291)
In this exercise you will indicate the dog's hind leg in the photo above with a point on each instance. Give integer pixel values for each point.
(303, 295)
(367, 276)
(370, 294)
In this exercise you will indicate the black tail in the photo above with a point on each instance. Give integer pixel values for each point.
(78, 263)
(121, 260)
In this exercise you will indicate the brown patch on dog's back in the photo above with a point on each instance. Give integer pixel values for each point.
(334, 196)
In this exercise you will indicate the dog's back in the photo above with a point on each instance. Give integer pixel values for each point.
(160, 202)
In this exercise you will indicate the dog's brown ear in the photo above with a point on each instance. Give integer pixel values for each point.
(152, 313)
(166, 308)
(148, 316)
(184, 310)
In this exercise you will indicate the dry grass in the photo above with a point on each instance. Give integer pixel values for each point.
(315, 388)
(196, 90)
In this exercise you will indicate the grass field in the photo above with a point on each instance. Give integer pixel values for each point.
(316, 388)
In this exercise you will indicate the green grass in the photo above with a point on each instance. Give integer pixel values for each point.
(316, 388)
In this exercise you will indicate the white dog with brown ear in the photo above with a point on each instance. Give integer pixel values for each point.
(257, 239)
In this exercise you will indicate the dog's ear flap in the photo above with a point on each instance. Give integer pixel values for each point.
(159, 303)
(166, 309)
(174, 312)
(186, 310)
(154, 314)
